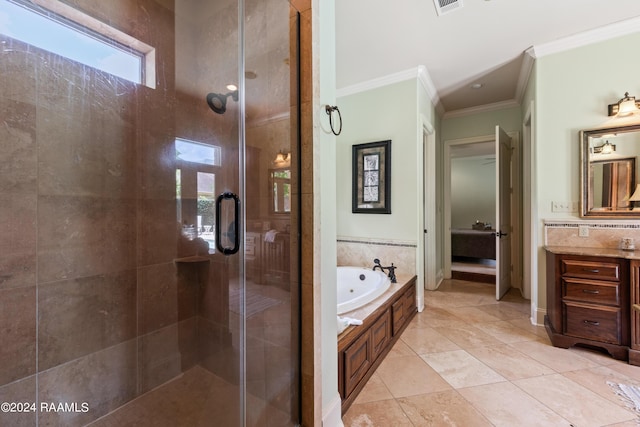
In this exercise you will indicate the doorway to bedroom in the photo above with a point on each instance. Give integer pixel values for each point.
(473, 212)
(477, 225)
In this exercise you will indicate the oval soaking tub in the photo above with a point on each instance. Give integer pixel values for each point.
(358, 286)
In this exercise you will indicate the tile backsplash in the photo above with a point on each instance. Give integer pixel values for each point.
(601, 234)
(360, 252)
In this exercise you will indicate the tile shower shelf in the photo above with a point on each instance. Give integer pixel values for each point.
(192, 259)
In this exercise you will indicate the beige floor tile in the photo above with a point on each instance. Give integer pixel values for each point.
(410, 375)
(506, 311)
(447, 408)
(400, 349)
(624, 368)
(509, 362)
(472, 314)
(374, 391)
(433, 317)
(506, 332)
(385, 413)
(595, 379)
(579, 405)
(558, 359)
(427, 340)
(534, 329)
(468, 337)
(599, 356)
(460, 369)
(633, 423)
(504, 404)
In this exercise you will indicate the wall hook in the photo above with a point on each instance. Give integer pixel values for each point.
(329, 110)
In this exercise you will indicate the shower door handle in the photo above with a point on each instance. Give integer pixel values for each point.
(236, 210)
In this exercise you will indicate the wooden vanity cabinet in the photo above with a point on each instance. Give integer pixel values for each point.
(634, 351)
(362, 348)
(588, 302)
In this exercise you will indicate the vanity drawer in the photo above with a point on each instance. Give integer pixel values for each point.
(598, 323)
(591, 291)
(591, 269)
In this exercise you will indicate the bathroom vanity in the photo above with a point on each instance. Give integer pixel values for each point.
(362, 348)
(590, 298)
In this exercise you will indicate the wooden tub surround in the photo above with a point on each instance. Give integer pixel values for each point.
(362, 348)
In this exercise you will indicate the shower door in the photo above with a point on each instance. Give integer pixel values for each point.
(148, 213)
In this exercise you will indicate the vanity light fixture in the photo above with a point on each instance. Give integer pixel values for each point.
(606, 148)
(625, 107)
(282, 159)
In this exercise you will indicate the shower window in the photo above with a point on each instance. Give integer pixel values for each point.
(206, 200)
(65, 31)
(196, 188)
(197, 152)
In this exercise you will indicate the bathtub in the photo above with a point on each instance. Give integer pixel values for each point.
(358, 286)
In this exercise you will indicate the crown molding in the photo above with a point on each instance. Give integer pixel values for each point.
(584, 38)
(425, 78)
(420, 72)
(617, 29)
(525, 72)
(481, 109)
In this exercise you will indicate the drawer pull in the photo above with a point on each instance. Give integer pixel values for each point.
(591, 270)
(591, 323)
(590, 291)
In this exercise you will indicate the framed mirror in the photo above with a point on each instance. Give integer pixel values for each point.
(609, 185)
(280, 190)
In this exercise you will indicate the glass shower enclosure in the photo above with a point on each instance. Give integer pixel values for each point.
(149, 218)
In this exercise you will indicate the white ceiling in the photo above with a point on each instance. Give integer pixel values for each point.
(483, 42)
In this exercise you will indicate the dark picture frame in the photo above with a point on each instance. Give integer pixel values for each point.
(371, 183)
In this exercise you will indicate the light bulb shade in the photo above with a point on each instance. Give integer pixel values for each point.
(624, 107)
(635, 197)
(627, 106)
(282, 159)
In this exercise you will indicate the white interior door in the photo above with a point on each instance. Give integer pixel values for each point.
(503, 212)
(429, 211)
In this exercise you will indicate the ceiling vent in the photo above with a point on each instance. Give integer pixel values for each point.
(446, 6)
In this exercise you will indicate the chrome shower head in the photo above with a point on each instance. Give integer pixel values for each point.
(218, 102)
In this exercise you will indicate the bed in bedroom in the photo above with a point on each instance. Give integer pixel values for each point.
(473, 243)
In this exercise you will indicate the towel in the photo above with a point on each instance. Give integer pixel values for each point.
(270, 236)
(343, 322)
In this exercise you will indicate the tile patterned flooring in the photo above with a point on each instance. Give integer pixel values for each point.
(469, 360)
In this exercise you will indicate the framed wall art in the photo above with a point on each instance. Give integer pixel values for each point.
(371, 191)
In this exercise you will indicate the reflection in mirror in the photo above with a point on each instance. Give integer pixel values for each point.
(280, 186)
(609, 171)
(611, 184)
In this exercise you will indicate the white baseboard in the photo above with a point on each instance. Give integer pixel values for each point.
(538, 316)
(332, 414)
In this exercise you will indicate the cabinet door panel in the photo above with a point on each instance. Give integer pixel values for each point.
(357, 360)
(380, 334)
(398, 315)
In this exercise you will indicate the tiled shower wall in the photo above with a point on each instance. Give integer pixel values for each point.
(93, 307)
(602, 234)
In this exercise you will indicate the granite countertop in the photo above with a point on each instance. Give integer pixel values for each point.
(601, 252)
